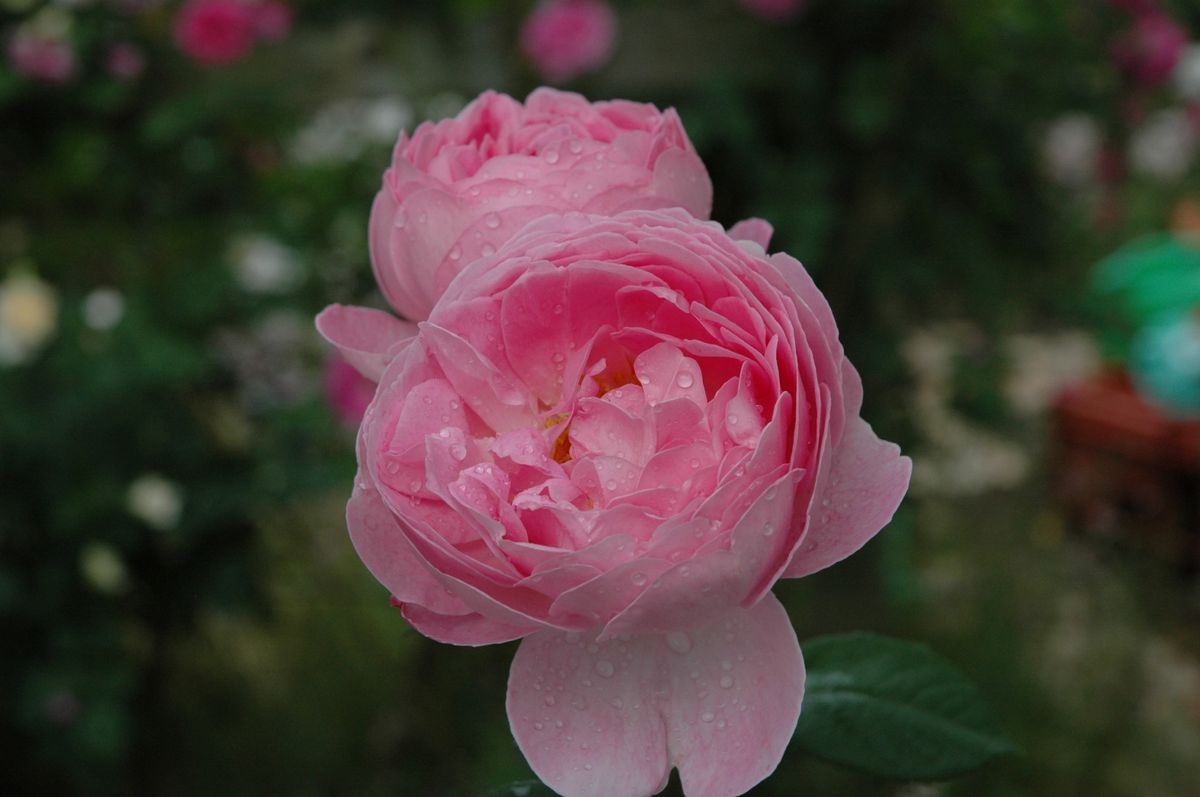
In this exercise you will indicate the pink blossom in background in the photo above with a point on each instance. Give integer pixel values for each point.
(566, 38)
(215, 32)
(347, 391)
(776, 10)
(1150, 49)
(459, 188)
(125, 61)
(49, 60)
(609, 440)
(272, 19)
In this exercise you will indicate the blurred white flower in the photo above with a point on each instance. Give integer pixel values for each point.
(1164, 145)
(957, 457)
(262, 264)
(342, 130)
(103, 309)
(1187, 74)
(28, 316)
(1071, 148)
(1041, 366)
(102, 568)
(156, 501)
(271, 361)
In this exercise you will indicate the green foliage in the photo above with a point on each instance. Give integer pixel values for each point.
(894, 709)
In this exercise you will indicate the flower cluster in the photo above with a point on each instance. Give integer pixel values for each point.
(605, 426)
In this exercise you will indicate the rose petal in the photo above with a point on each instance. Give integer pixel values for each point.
(611, 718)
(867, 480)
(753, 229)
(364, 337)
(471, 629)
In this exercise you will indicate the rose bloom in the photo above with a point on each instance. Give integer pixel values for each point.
(566, 38)
(1150, 50)
(459, 188)
(609, 440)
(215, 32)
(48, 59)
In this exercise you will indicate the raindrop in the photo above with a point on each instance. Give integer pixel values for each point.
(726, 681)
(488, 250)
(549, 701)
(392, 467)
(576, 146)
(551, 156)
(684, 380)
(558, 308)
(537, 726)
(604, 668)
(618, 703)
(639, 578)
(721, 725)
(558, 357)
(455, 252)
(768, 530)
(679, 642)
(587, 767)
(695, 463)
(492, 220)
(400, 219)
(733, 419)
(610, 485)
(707, 716)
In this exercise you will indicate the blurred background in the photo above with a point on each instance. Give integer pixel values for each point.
(1000, 198)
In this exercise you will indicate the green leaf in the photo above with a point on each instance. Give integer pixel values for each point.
(895, 709)
(523, 788)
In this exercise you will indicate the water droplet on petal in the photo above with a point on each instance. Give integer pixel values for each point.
(576, 146)
(492, 220)
(487, 250)
(726, 681)
(400, 219)
(639, 578)
(707, 716)
(551, 156)
(679, 642)
(768, 530)
(537, 726)
(549, 701)
(455, 252)
(684, 380)
(558, 357)
(604, 668)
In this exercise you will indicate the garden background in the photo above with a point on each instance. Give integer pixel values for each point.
(180, 609)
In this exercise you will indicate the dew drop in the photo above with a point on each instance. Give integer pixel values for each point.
(679, 642)
(639, 578)
(604, 668)
(392, 467)
(576, 146)
(455, 252)
(707, 716)
(492, 220)
(733, 419)
(488, 250)
(400, 219)
(768, 530)
(587, 767)
(551, 156)
(726, 681)
(549, 701)
(558, 308)
(684, 380)
(558, 357)
(537, 726)
(617, 703)
(610, 485)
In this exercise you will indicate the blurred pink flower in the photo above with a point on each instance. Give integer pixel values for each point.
(125, 61)
(565, 38)
(347, 391)
(272, 19)
(1151, 48)
(776, 10)
(49, 60)
(215, 32)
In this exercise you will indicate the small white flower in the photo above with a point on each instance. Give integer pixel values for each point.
(103, 309)
(262, 264)
(28, 316)
(342, 130)
(1187, 74)
(102, 568)
(1071, 148)
(1164, 145)
(156, 501)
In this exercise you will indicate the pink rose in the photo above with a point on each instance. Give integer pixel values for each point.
(50, 60)
(1149, 51)
(459, 188)
(125, 61)
(610, 440)
(775, 10)
(565, 38)
(215, 32)
(272, 19)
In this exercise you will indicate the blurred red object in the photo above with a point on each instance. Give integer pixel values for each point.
(1125, 467)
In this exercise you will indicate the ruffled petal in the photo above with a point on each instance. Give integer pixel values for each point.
(365, 337)
(867, 480)
(612, 718)
(753, 229)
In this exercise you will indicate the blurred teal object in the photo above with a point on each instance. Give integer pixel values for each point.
(1151, 277)
(1165, 362)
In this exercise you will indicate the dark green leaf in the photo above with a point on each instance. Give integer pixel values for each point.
(895, 709)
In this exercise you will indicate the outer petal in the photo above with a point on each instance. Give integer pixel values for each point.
(472, 629)
(611, 719)
(365, 337)
(752, 229)
(866, 482)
